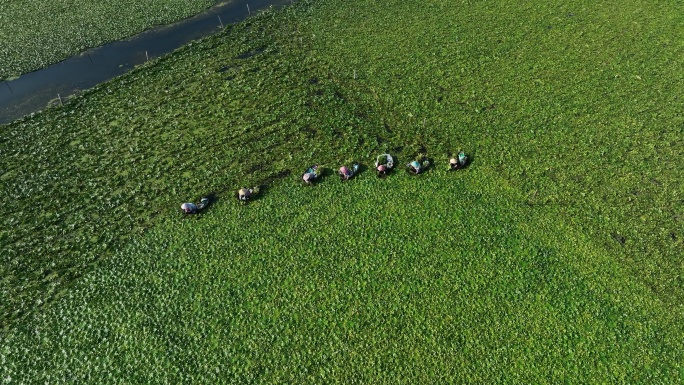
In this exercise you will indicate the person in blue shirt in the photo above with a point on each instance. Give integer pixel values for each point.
(417, 167)
(311, 174)
(459, 162)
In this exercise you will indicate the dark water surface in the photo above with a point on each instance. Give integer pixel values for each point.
(33, 91)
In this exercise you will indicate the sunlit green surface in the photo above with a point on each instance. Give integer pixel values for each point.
(408, 279)
(556, 255)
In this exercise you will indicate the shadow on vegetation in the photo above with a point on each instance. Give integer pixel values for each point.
(619, 238)
(226, 68)
(259, 192)
(213, 198)
(250, 54)
(362, 168)
(325, 172)
(279, 175)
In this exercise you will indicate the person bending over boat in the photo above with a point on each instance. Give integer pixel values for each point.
(311, 175)
(417, 167)
(346, 174)
(245, 193)
(459, 162)
(383, 164)
(191, 208)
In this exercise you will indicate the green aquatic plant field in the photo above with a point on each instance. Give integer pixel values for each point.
(405, 279)
(556, 255)
(35, 34)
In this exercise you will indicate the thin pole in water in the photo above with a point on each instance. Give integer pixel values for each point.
(219, 16)
(248, 11)
(60, 100)
(91, 59)
(147, 56)
(10, 88)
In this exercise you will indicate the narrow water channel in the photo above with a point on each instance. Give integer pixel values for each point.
(33, 91)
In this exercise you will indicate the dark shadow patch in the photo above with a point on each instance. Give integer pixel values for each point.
(313, 81)
(277, 176)
(309, 132)
(254, 168)
(489, 107)
(270, 147)
(325, 172)
(339, 95)
(388, 129)
(229, 78)
(619, 238)
(226, 68)
(249, 54)
(471, 159)
(213, 198)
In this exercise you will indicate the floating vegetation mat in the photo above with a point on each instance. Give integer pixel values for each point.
(556, 255)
